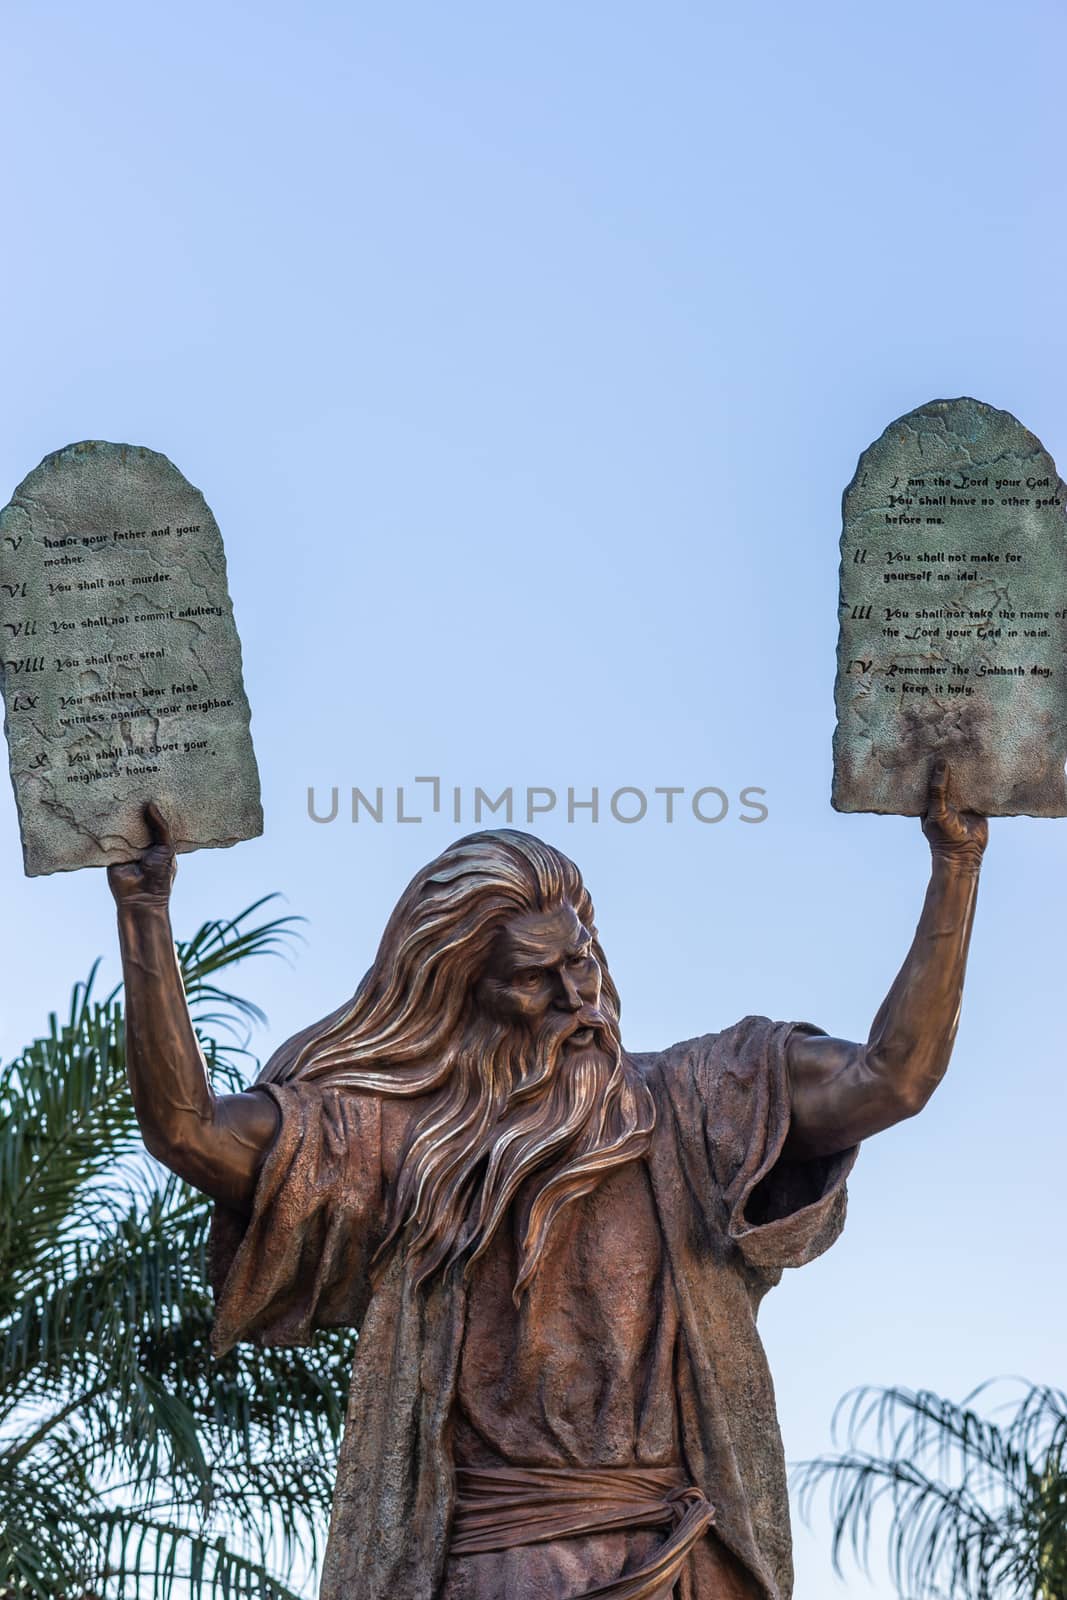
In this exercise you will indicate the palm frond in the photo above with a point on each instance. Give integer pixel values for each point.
(146, 1557)
(219, 945)
(65, 1115)
(974, 1507)
(56, 1548)
(64, 1121)
(128, 1456)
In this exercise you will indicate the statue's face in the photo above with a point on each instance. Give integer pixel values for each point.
(542, 973)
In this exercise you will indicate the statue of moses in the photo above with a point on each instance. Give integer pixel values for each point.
(554, 1250)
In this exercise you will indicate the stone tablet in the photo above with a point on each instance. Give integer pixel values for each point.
(953, 602)
(120, 662)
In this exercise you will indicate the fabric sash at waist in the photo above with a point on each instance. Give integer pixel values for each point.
(499, 1508)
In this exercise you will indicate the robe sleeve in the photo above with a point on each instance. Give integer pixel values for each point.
(779, 1212)
(301, 1260)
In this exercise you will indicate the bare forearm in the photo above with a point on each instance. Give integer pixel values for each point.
(911, 1038)
(168, 1077)
(843, 1092)
(215, 1143)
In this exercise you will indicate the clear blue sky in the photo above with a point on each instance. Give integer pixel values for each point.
(523, 353)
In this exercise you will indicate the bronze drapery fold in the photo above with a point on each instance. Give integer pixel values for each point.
(499, 1508)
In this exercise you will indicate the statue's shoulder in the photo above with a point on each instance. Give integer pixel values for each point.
(653, 1063)
(707, 1055)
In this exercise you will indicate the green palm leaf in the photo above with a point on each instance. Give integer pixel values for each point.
(975, 1506)
(127, 1455)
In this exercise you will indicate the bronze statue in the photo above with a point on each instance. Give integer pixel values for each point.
(554, 1250)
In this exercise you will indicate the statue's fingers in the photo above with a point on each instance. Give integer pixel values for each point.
(158, 829)
(937, 803)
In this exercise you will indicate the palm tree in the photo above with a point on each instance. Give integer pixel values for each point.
(128, 1457)
(977, 1508)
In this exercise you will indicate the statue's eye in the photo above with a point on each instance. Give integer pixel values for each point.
(530, 978)
(578, 961)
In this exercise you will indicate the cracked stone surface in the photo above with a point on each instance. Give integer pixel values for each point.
(120, 662)
(953, 614)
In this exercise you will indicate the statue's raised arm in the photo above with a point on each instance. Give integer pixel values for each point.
(842, 1092)
(216, 1142)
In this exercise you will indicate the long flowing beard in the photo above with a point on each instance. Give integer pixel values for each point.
(509, 1115)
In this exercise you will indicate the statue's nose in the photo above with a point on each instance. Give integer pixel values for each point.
(572, 1000)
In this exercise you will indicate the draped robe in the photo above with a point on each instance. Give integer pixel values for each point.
(731, 1212)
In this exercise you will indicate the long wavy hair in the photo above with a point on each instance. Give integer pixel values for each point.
(498, 1111)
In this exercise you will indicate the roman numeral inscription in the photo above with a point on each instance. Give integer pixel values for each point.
(953, 617)
(120, 662)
